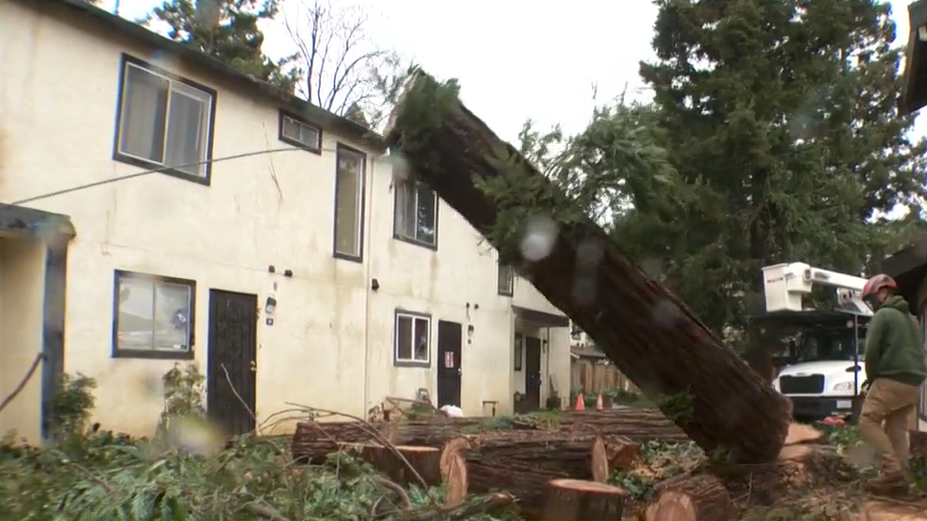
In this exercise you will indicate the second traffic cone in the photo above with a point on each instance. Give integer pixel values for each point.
(598, 403)
(580, 403)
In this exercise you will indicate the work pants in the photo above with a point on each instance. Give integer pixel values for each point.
(890, 402)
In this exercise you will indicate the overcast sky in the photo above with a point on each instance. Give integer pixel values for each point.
(515, 59)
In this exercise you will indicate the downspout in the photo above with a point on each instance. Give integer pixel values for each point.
(547, 372)
(368, 221)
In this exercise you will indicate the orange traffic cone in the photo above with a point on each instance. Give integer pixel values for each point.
(598, 403)
(580, 403)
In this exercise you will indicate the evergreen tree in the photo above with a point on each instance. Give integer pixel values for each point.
(228, 31)
(780, 119)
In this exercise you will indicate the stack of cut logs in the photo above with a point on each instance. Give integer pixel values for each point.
(556, 472)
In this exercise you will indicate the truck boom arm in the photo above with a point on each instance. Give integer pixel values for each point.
(785, 285)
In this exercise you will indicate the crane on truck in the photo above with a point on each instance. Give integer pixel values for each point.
(822, 375)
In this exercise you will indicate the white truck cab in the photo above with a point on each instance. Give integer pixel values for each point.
(824, 371)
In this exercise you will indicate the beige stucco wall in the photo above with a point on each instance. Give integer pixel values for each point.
(22, 287)
(331, 344)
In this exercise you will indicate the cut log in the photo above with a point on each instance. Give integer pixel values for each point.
(426, 461)
(575, 500)
(313, 441)
(622, 453)
(455, 477)
(640, 425)
(648, 333)
(574, 455)
(690, 498)
(437, 431)
(803, 434)
(522, 463)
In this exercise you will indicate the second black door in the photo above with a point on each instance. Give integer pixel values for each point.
(231, 370)
(532, 373)
(450, 338)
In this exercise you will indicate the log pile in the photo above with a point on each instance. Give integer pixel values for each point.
(644, 329)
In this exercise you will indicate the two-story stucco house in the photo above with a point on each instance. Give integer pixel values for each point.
(158, 206)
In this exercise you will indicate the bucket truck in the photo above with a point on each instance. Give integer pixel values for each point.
(824, 373)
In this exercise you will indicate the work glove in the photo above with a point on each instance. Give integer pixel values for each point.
(863, 389)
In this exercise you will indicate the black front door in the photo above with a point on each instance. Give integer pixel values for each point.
(450, 338)
(532, 373)
(231, 368)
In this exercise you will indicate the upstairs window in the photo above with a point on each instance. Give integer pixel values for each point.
(416, 214)
(164, 121)
(506, 280)
(349, 203)
(300, 133)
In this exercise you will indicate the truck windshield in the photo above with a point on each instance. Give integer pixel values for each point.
(828, 345)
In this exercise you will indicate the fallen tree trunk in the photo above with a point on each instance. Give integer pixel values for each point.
(438, 431)
(639, 425)
(690, 498)
(425, 461)
(575, 500)
(645, 330)
(523, 463)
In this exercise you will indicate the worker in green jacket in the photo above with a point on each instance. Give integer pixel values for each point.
(896, 366)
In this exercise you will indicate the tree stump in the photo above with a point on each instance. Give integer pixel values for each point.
(425, 460)
(576, 500)
(690, 498)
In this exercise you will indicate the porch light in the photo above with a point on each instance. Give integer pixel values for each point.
(270, 305)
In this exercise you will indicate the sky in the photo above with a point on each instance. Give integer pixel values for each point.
(514, 61)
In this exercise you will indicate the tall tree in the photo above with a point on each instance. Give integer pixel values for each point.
(780, 117)
(228, 31)
(341, 69)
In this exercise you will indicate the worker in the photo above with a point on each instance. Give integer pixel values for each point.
(895, 369)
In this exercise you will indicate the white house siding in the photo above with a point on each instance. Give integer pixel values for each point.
(331, 343)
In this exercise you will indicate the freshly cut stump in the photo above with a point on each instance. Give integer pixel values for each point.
(803, 434)
(425, 460)
(456, 480)
(576, 500)
(690, 498)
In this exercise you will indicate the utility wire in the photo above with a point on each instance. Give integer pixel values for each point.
(158, 171)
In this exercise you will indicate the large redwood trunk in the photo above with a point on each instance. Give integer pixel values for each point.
(644, 329)
(313, 441)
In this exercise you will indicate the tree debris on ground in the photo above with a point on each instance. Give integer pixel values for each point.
(646, 331)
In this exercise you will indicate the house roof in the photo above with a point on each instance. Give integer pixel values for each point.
(82, 13)
(909, 268)
(914, 89)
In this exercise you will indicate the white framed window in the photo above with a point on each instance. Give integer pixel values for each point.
(300, 133)
(164, 121)
(506, 280)
(416, 214)
(412, 339)
(154, 316)
(349, 203)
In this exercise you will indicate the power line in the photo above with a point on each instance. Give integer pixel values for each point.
(158, 170)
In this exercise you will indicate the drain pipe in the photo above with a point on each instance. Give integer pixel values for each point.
(368, 222)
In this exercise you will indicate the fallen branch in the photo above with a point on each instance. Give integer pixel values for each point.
(22, 383)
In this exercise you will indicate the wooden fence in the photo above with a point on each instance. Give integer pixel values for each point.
(590, 377)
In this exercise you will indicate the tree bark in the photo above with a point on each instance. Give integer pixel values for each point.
(639, 425)
(424, 460)
(313, 441)
(649, 334)
(439, 430)
(575, 500)
(690, 498)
